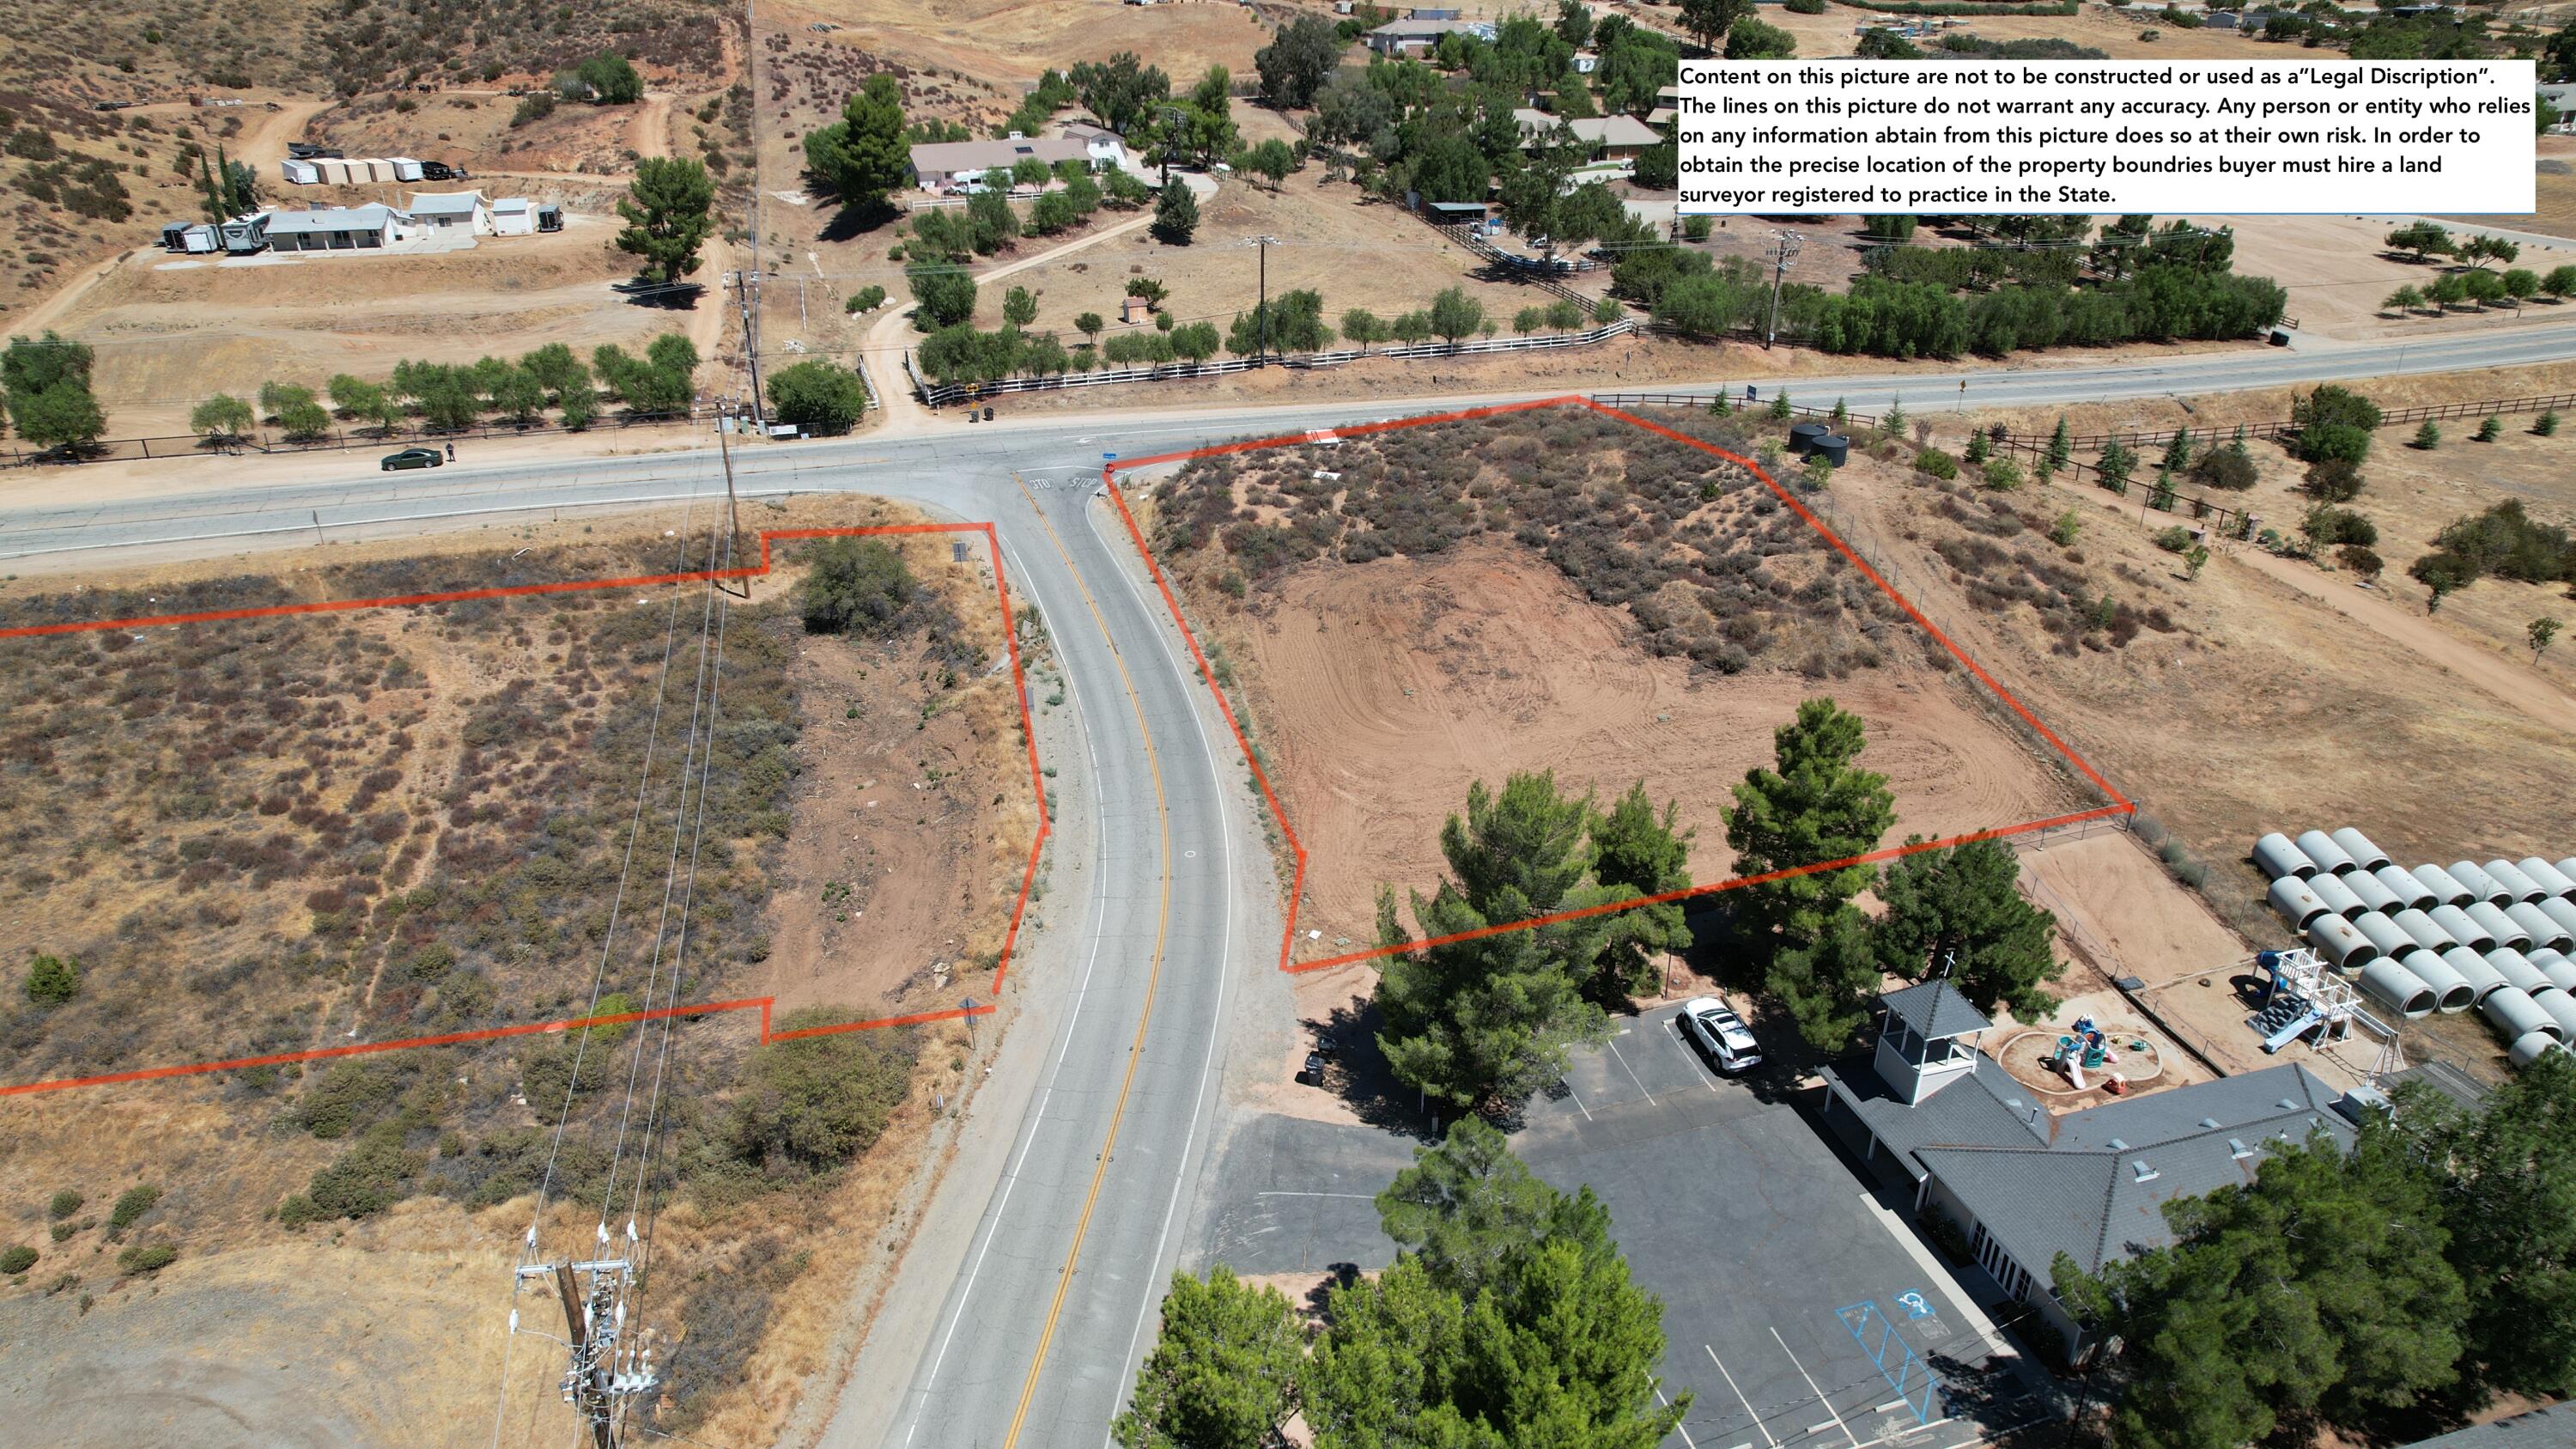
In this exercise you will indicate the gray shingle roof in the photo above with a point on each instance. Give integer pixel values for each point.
(1985, 1108)
(1935, 1009)
(2550, 1428)
(2096, 1191)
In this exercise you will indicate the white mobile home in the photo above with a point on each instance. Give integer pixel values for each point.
(336, 228)
(514, 216)
(467, 211)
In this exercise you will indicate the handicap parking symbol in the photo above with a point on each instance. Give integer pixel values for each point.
(1915, 1304)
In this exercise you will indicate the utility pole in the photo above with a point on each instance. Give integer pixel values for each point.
(733, 503)
(602, 1376)
(1789, 243)
(747, 299)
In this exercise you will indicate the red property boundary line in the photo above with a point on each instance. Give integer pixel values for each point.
(2121, 804)
(762, 1004)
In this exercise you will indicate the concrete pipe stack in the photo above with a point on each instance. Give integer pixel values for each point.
(2472, 968)
(2513, 1013)
(2497, 924)
(2392, 985)
(2517, 970)
(2531, 1047)
(2544, 932)
(2556, 965)
(2451, 991)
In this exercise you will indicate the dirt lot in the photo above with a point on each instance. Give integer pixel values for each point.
(279, 953)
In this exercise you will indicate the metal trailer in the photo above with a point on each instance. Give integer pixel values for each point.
(2358, 846)
(405, 168)
(2278, 857)
(299, 172)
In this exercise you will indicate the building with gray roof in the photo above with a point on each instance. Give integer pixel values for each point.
(2550, 1428)
(1932, 1114)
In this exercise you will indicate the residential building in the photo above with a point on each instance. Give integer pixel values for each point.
(448, 211)
(1418, 37)
(336, 228)
(1605, 138)
(1936, 1117)
(960, 165)
(514, 216)
(2550, 1428)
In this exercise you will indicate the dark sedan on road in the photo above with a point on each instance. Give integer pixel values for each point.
(413, 458)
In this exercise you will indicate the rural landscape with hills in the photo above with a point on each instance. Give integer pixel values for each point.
(1003, 722)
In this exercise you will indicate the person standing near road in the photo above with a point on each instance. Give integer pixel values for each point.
(451, 450)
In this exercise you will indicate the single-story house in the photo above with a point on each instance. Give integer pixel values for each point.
(452, 210)
(336, 228)
(1611, 138)
(2550, 1428)
(955, 165)
(514, 216)
(1418, 37)
(1100, 142)
(1937, 1118)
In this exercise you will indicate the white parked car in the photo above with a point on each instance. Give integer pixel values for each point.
(1720, 1035)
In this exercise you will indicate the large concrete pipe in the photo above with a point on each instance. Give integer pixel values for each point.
(2337, 894)
(2358, 846)
(2556, 965)
(2451, 991)
(2505, 873)
(2556, 909)
(2473, 969)
(2545, 932)
(2498, 924)
(2546, 876)
(2344, 948)
(2372, 893)
(2516, 1015)
(2420, 926)
(2387, 935)
(2278, 857)
(2531, 1048)
(2439, 882)
(2297, 904)
(2516, 969)
(2412, 894)
(2561, 1008)
(2481, 885)
(2567, 868)
(2318, 846)
(2398, 988)
(2463, 930)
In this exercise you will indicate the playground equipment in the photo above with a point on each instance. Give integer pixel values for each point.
(2085, 1048)
(2305, 997)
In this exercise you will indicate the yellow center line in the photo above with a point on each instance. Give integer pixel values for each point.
(1135, 1049)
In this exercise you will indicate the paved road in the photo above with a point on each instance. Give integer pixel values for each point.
(1099, 1160)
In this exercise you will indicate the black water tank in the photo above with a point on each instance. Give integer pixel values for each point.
(1804, 437)
(1835, 447)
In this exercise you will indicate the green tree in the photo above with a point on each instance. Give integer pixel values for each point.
(2490, 429)
(1467, 1205)
(1816, 806)
(820, 397)
(1492, 1017)
(1364, 327)
(1455, 315)
(1293, 65)
(2402, 301)
(854, 585)
(519, 396)
(1223, 1374)
(2427, 438)
(2320, 1289)
(2542, 632)
(944, 297)
(52, 981)
(1961, 908)
(665, 211)
(1751, 39)
(1272, 160)
(863, 155)
(1019, 307)
(1827, 984)
(1119, 91)
(2061, 445)
(1709, 20)
(2115, 466)
(2509, 1192)
(612, 78)
(46, 384)
(221, 418)
(1636, 849)
(1176, 215)
(2422, 238)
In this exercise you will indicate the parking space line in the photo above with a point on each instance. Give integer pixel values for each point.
(1632, 1073)
(1739, 1398)
(1578, 1099)
(1811, 1388)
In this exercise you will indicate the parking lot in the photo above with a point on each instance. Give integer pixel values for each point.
(1798, 1309)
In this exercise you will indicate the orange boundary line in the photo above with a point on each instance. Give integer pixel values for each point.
(1010, 939)
(2121, 804)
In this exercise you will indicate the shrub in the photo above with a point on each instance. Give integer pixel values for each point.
(2427, 438)
(2003, 473)
(2490, 430)
(2064, 531)
(2547, 424)
(2174, 539)
(817, 396)
(2327, 526)
(856, 584)
(2333, 481)
(2224, 468)
(2360, 559)
(15, 1259)
(866, 299)
(367, 1179)
(65, 1203)
(131, 1205)
(2334, 422)
(1936, 463)
(147, 1259)
(812, 1104)
(52, 981)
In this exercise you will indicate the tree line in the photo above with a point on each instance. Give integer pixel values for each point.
(1508, 1317)
(453, 397)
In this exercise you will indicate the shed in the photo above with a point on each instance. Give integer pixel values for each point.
(405, 168)
(514, 216)
(1134, 310)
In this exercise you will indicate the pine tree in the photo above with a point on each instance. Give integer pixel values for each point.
(2061, 445)
(1224, 1372)
(1176, 215)
(1467, 1204)
(1815, 807)
(1635, 851)
(1963, 908)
